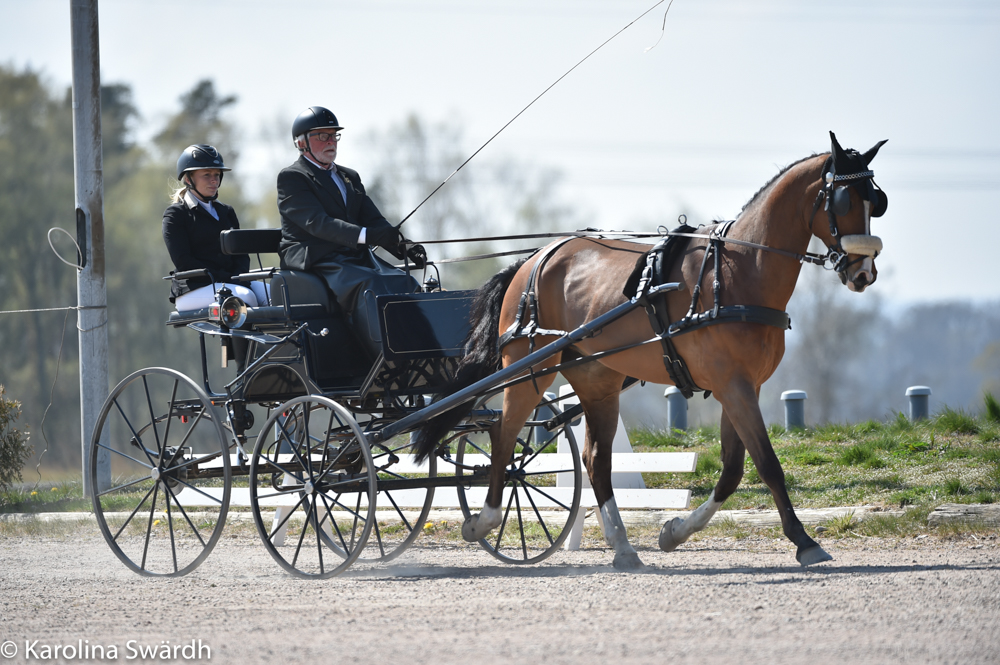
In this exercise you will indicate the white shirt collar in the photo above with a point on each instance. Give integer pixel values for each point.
(333, 166)
(191, 201)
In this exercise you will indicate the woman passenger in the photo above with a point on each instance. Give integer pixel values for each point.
(191, 228)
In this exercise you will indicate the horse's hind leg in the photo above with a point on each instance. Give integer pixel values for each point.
(598, 389)
(518, 403)
(678, 530)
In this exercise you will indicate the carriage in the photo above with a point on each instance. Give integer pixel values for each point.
(326, 481)
(332, 477)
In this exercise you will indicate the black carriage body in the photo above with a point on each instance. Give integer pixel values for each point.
(422, 338)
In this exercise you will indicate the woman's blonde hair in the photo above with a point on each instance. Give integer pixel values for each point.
(179, 190)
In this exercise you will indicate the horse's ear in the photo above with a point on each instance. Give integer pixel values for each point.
(870, 155)
(836, 150)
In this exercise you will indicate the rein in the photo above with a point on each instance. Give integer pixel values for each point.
(807, 257)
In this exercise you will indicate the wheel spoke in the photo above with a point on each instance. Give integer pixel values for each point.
(183, 512)
(503, 524)
(214, 499)
(534, 509)
(134, 511)
(284, 520)
(114, 490)
(149, 526)
(166, 456)
(170, 411)
(520, 522)
(170, 519)
(152, 419)
(333, 523)
(129, 457)
(135, 436)
(546, 495)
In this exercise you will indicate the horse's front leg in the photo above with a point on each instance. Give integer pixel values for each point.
(742, 406)
(677, 530)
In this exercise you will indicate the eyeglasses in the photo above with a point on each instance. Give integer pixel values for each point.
(324, 137)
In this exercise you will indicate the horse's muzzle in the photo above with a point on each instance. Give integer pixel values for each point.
(863, 277)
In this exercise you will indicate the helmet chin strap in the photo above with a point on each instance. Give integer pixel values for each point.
(308, 149)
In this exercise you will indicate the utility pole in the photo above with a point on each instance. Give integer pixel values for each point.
(91, 288)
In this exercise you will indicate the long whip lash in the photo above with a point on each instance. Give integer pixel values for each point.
(445, 181)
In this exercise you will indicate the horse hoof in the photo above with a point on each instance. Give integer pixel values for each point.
(667, 541)
(814, 554)
(469, 530)
(628, 561)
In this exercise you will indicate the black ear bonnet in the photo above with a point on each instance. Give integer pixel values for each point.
(850, 168)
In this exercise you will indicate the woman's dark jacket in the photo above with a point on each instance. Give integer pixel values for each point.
(192, 238)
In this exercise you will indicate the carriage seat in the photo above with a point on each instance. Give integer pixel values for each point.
(336, 359)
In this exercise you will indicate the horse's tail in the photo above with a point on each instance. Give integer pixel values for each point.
(482, 358)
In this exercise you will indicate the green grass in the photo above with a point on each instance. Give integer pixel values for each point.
(992, 408)
(952, 457)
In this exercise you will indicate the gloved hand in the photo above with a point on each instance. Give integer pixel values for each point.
(418, 255)
(388, 237)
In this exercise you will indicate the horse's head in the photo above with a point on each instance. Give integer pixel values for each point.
(851, 199)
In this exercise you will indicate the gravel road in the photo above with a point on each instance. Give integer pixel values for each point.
(714, 601)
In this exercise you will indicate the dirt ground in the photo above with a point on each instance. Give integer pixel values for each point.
(714, 601)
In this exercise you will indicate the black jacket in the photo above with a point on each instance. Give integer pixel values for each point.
(192, 238)
(315, 222)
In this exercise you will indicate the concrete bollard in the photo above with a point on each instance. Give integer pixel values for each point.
(919, 397)
(677, 408)
(795, 408)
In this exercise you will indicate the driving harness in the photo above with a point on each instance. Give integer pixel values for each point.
(844, 169)
(651, 270)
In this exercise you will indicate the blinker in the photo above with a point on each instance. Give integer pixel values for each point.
(841, 201)
(880, 202)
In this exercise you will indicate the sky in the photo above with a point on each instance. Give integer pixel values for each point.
(732, 92)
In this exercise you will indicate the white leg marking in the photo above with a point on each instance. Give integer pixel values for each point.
(490, 517)
(477, 526)
(614, 528)
(698, 520)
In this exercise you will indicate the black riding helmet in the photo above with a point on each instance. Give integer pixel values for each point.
(197, 157)
(314, 117)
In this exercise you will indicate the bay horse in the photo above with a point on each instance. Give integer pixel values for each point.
(758, 265)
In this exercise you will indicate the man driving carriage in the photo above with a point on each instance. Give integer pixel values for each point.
(330, 226)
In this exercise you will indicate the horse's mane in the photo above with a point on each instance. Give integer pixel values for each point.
(775, 178)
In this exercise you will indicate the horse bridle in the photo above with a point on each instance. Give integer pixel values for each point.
(837, 203)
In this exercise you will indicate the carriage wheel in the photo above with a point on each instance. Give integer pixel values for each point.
(541, 498)
(402, 511)
(312, 479)
(168, 497)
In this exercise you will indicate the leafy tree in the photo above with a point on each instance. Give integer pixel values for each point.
(36, 194)
(14, 447)
(200, 120)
